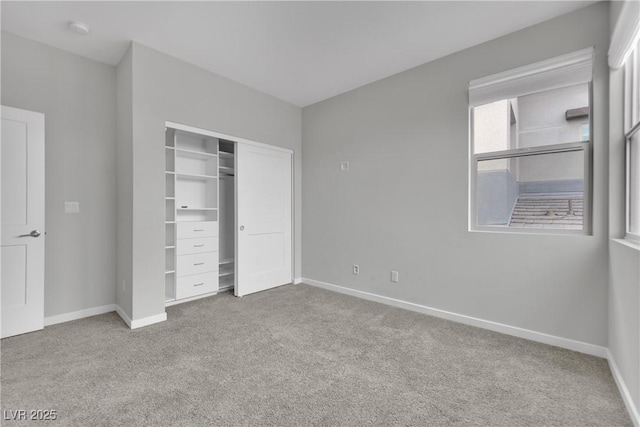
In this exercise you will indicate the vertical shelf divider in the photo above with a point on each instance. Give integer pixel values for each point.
(170, 215)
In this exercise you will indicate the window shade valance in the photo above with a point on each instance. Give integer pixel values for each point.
(566, 70)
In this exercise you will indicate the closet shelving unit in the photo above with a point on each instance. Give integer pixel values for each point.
(191, 203)
(170, 217)
(222, 233)
(226, 172)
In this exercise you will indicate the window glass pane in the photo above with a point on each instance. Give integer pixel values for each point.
(635, 87)
(585, 132)
(545, 118)
(634, 184)
(537, 191)
(632, 90)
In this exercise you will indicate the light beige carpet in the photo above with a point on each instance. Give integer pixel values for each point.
(297, 356)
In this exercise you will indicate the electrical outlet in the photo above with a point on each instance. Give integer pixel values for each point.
(395, 276)
(344, 166)
(356, 269)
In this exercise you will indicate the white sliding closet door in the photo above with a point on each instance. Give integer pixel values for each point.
(264, 194)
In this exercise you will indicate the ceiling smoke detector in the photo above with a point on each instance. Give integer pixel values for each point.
(79, 28)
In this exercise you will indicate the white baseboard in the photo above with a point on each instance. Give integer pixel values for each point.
(146, 321)
(123, 315)
(180, 301)
(80, 314)
(569, 344)
(632, 409)
(133, 324)
(297, 280)
(139, 323)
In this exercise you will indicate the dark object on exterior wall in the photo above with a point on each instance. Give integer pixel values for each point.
(577, 113)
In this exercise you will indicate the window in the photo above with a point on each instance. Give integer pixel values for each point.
(632, 131)
(633, 186)
(530, 148)
(624, 52)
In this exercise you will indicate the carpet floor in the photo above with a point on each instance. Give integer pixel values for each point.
(299, 356)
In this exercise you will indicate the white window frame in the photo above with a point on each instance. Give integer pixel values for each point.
(542, 76)
(631, 128)
(634, 238)
(631, 87)
(584, 146)
(624, 52)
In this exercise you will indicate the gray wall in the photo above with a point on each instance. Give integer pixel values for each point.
(165, 88)
(624, 261)
(124, 179)
(78, 98)
(406, 135)
(624, 314)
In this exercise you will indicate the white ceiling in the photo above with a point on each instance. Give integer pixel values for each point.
(301, 52)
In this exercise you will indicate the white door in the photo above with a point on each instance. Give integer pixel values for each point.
(263, 227)
(22, 238)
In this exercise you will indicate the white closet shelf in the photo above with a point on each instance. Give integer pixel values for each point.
(195, 176)
(169, 198)
(170, 172)
(197, 209)
(225, 273)
(169, 222)
(225, 155)
(226, 261)
(169, 272)
(195, 154)
(227, 170)
(169, 247)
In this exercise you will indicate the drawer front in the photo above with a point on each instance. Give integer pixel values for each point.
(191, 229)
(196, 285)
(196, 246)
(188, 265)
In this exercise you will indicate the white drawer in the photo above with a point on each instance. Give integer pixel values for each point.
(196, 246)
(196, 285)
(191, 229)
(196, 263)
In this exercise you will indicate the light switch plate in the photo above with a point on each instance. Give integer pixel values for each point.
(71, 207)
(395, 276)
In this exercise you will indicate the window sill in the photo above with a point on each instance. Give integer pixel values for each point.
(528, 231)
(628, 243)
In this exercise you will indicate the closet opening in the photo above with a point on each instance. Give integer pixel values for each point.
(227, 215)
(227, 235)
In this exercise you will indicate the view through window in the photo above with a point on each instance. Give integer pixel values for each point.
(530, 160)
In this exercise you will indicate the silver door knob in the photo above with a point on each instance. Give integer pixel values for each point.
(34, 233)
(242, 228)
